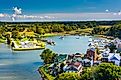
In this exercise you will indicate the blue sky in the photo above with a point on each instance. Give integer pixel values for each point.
(42, 10)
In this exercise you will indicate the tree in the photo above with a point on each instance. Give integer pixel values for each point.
(8, 39)
(115, 31)
(87, 73)
(48, 56)
(107, 71)
(104, 71)
(15, 34)
(41, 31)
(61, 67)
(68, 76)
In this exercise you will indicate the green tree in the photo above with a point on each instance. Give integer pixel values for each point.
(107, 71)
(15, 34)
(87, 73)
(104, 71)
(68, 76)
(115, 30)
(48, 56)
(41, 31)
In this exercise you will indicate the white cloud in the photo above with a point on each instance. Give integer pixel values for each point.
(17, 11)
(13, 18)
(114, 13)
(3, 15)
(62, 17)
(107, 10)
(33, 17)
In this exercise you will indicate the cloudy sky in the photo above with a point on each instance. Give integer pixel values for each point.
(59, 10)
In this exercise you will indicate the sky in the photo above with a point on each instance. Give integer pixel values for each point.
(59, 10)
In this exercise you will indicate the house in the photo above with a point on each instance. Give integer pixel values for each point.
(77, 55)
(105, 57)
(111, 57)
(91, 53)
(71, 56)
(87, 62)
(73, 67)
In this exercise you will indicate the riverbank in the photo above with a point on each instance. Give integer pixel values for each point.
(2, 40)
(43, 73)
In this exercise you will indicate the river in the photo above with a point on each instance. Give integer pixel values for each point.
(23, 65)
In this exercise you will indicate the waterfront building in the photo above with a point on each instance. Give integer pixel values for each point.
(91, 53)
(111, 57)
(73, 67)
(87, 62)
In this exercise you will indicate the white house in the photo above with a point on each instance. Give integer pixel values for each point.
(114, 57)
(73, 67)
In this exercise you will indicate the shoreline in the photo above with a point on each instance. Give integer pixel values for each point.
(43, 74)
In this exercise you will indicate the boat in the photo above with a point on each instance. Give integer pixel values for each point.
(61, 37)
(90, 40)
(77, 38)
(50, 42)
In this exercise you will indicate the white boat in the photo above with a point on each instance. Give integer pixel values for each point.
(90, 40)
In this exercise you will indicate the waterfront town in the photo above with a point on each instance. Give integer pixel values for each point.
(77, 54)
(100, 51)
(60, 39)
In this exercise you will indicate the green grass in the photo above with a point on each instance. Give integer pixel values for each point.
(24, 39)
(87, 30)
(2, 40)
(104, 26)
(49, 77)
(48, 35)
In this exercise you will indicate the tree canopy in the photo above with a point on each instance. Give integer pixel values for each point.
(48, 56)
(68, 76)
(104, 71)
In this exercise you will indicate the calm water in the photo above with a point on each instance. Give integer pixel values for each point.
(23, 65)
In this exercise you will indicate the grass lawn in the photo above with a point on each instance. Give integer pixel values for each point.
(42, 70)
(2, 40)
(25, 39)
(87, 30)
(104, 26)
(49, 35)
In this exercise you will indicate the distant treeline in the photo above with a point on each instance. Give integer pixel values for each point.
(50, 27)
(66, 22)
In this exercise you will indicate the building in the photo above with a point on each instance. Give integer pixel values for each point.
(73, 67)
(87, 63)
(111, 57)
(91, 53)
